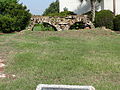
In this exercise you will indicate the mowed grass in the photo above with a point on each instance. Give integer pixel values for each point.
(85, 57)
(41, 27)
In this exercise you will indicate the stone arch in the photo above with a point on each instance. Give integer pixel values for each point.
(59, 23)
(55, 29)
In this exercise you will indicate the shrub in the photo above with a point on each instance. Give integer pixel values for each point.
(13, 16)
(62, 14)
(7, 24)
(116, 22)
(104, 18)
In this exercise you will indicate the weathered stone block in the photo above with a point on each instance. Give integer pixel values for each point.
(63, 87)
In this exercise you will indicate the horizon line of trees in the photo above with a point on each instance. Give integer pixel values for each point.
(53, 8)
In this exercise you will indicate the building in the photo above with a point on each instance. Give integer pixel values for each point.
(80, 8)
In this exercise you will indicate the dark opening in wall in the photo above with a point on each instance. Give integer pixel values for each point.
(77, 25)
(44, 27)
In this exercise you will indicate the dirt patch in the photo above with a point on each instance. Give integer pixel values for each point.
(2, 75)
(118, 32)
(1, 33)
(2, 65)
(1, 69)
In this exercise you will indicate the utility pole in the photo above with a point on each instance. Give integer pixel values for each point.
(114, 7)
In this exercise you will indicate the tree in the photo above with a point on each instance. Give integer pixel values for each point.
(13, 16)
(53, 8)
(93, 7)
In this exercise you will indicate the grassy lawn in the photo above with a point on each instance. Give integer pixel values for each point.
(86, 57)
(41, 27)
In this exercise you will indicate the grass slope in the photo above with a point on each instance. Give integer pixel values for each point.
(87, 57)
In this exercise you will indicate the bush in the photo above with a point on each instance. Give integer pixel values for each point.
(104, 18)
(116, 22)
(7, 24)
(13, 16)
(62, 14)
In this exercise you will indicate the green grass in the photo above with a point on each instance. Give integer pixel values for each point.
(86, 57)
(41, 27)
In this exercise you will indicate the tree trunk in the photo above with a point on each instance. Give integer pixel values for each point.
(93, 10)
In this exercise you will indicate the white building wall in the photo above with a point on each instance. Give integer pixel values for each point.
(76, 6)
(108, 5)
(70, 4)
(80, 8)
(117, 6)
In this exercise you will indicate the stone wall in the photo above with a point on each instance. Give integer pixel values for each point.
(60, 23)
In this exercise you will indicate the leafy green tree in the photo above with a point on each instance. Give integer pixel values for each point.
(53, 8)
(13, 16)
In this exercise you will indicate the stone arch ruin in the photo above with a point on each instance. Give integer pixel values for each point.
(60, 23)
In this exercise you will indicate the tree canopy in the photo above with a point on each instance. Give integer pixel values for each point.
(53, 8)
(13, 16)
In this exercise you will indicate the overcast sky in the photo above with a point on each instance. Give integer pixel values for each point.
(36, 6)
